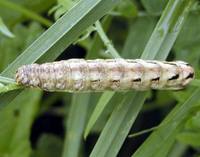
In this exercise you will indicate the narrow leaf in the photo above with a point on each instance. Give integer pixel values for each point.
(4, 29)
(75, 124)
(103, 101)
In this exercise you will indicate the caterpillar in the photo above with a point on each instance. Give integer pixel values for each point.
(79, 75)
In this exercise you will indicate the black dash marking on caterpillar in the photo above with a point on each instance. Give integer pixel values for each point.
(174, 77)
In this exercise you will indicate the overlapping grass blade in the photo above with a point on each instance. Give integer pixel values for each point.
(52, 43)
(79, 109)
(164, 137)
(178, 10)
(62, 33)
(128, 51)
(75, 124)
(105, 98)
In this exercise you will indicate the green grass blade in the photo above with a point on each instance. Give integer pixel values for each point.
(137, 38)
(167, 29)
(6, 80)
(151, 51)
(9, 87)
(75, 124)
(59, 36)
(62, 33)
(178, 150)
(135, 31)
(103, 101)
(118, 125)
(8, 84)
(174, 31)
(4, 30)
(164, 145)
(164, 137)
(79, 109)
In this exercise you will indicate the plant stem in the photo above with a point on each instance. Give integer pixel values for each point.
(143, 132)
(148, 130)
(6, 80)
(106, 40)
(10, 84)
(9, 87)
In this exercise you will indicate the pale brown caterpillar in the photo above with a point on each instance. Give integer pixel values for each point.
(111, 74)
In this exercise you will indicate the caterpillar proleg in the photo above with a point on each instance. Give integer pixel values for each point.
(79, 75)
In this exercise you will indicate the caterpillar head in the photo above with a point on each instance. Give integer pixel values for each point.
(25, 75)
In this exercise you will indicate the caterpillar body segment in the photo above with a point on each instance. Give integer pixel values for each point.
(79, 75)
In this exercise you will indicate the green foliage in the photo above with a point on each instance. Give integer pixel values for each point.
(154, 6)
(17, 119)
(147, 29)
(62, 7)
(11, 47)
(4, 30)
(190, 135)
(48, 146)
(127, 9)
